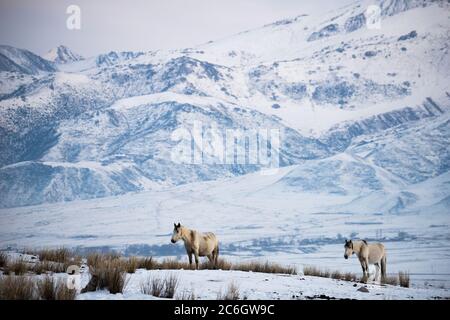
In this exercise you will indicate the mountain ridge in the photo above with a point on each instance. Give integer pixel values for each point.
(83, 128)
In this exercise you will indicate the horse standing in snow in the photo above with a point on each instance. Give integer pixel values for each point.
(197, 243)
(367, 253)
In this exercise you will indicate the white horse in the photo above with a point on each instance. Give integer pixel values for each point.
(368, 253)
(197, 243)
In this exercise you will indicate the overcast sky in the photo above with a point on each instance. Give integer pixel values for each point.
(39, 25)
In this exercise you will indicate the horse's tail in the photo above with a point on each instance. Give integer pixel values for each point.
(383, 266)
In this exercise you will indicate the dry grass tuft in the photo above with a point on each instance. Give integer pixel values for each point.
(403, 279)
(60, 255)
(131, 264)
(391, 280)
(315, 272)
(349, 276)
(3, 259)
(223, 264)
(28, 288)
(95, 259)
(110, 274)
(162, 288)
(324, 273)
(265, 267)
(17, 288)
(152, 286)
(49, 266)
(232, 293)
(185, 295)
(170, 285)
(336, 275)
(173, 264)
(46, 288)
(147, 263)
(49, 288)
(64, 293)
(17, 267)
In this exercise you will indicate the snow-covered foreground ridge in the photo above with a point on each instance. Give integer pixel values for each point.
(74, 128)
(207, 284)
(211, 284)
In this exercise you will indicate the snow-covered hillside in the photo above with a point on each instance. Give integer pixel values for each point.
(61, 55)
(102, 126)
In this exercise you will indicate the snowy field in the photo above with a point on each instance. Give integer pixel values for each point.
(215, 284)
(209, 284)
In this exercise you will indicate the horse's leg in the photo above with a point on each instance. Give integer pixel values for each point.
(377, 271)
(196, 259)
(210, 258)
(366, 263)
(190, 259)
(216, 256)
(363, 270)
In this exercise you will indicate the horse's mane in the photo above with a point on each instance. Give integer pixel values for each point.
(364, 241)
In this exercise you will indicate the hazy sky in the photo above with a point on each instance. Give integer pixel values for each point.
(39, 25)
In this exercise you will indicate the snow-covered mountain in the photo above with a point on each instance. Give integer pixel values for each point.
(360, 110)
(62, 54)
(22, 62)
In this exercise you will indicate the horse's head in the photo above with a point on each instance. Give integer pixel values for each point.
(348, 249)
(176, 235)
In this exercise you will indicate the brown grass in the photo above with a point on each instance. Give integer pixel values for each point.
(17, 288)
(316, 272)
(185, 295)
(162, 288)
(131, 264)
(170, 285)
(61, 255)
(324, 273)
(95, 259)
(56, 255)
(17, 267)
(391, 280)
(403, 279)
(64, 293)
(110, 275)
(41, 267)
(147, 263)
(336, 275)
(173, 264)
(232, 293)
(222, 264)
(265, 267)
(46, 288)
(3, 259)
(152, 286)
(349, 276)
(28, 288)
(50, 288)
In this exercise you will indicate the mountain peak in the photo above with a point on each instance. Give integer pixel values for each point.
(62, 54)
